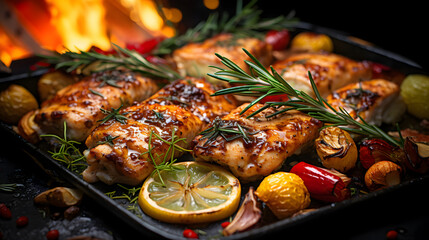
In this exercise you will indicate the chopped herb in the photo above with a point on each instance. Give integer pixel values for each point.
(96, 93)
(68, 153)
(228, 130)
(113, 114)
(158, 114)
(107, 140)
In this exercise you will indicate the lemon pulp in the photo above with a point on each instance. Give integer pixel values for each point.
(190, 193)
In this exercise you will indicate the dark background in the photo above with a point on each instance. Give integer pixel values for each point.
(401, 27)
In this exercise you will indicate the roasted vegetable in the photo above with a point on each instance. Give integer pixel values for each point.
(16, 101)
(417, 155)
(376, 150)
(325, 185)
(284, 193)
(382, 174)
(247, 216)
(27, 128)
(415, 92)
(312, 42)
(336, 149)
(59, 197)
(50, 83)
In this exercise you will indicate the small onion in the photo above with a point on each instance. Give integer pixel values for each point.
(336, 149)
(382, 174)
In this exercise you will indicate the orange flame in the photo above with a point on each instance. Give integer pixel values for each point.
(81, 24)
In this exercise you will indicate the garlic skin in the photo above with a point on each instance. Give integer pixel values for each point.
(59, 197)
(247, 216)
(382, 174)
(336, 149)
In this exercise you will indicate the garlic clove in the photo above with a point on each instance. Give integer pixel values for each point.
(247, 215)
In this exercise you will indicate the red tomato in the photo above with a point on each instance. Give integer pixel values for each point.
(189, 233)
(22, 221)
(275, 98)
(225, 224)
(278, 39)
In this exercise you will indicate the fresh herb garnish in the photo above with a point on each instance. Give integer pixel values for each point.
(261, 83)
(9, 187)
(247, 21)
(97, 62)
(228, 130)
(166, 164)
(107, 140)
(113, 114)
(96, 93)
(131, 194)
(68, 153)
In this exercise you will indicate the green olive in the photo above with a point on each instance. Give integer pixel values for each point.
(415, 92)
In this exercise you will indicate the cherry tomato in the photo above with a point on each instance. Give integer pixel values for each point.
(275, 98)
(278, 39)
(189, 233)
(392, 234)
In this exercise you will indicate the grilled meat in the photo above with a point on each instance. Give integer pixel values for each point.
(194, 59)
(268, 141)
(79, 104)
(329, 71)
(126, 152)
(376, 101)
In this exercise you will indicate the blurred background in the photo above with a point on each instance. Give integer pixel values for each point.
(33, 26)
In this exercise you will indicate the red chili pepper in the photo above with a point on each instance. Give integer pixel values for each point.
(376, 150)
(189, 233)
(278, 39)
(322, 184)
(275, 98)
(53, 234)
(146, 46)
(5, 212)
(22, 221)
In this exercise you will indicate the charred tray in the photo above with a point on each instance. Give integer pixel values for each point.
(133, 215)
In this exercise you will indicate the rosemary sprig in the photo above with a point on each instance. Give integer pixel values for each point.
(227, 130)
(262, 83)
(97, 62)
(68, 153)
(247, 21)
(166, 164)
(9, 187)
(113, 114)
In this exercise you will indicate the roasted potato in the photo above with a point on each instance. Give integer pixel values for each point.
(15, 102)
(50, 83)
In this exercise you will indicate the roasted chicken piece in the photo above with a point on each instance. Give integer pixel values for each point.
(329, 71)
(126, 152)
(80, 104)
(259, 145)
(376, 101)
(194, 59)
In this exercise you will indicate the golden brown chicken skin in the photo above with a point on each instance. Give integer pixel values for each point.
(269, 141)
(329, 71)
(80, 104)
(194, 59)
(376, 101)
(126, 152)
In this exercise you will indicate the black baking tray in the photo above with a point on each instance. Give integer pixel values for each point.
(150, 227)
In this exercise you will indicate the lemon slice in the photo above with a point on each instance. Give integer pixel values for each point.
(193, 192)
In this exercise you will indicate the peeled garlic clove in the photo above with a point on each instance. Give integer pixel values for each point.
(336, 149)
(247, 216)
(59, 197)
(383, 174)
